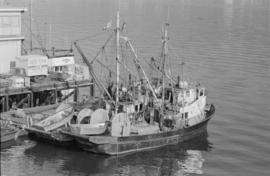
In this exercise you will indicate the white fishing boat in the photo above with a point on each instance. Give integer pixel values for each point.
(180, 116)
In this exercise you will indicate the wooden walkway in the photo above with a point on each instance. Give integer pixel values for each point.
(47, 85)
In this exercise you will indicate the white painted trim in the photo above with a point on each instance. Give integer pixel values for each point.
(12, 9)
(10, 38)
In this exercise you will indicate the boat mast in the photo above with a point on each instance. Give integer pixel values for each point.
(164, 55)
(182, 87)
(30, 16)
(117, 61)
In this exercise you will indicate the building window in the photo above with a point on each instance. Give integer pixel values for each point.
(186, 115)
(10, 25)
(56, 69)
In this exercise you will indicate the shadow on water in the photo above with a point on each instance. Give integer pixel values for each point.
(15, 142)
(177, 159)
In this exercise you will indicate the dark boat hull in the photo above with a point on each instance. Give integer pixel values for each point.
(7, 138)
(124, 145)
(50, 137)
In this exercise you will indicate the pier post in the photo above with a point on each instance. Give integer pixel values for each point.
(3, 104)
(55, 95)
(76, 94)
(31, 99)
(7, 102)
(92, 88)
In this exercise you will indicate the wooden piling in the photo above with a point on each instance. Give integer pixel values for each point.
(7, 102)
(31, 99)
(3, 104)
(76, 94)
(55, 96)
(92, 88)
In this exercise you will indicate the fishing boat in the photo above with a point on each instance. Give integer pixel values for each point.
(47, 128)
(8, 134)
(45, 125)
(157, 116)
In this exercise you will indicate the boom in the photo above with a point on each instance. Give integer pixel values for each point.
(91, 71)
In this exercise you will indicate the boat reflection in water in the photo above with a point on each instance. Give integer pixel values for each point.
(179, 159)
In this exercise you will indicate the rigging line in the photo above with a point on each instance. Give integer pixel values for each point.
(125, 65)
(102, 48)
(139, 67)
(182, 58)
(105, 66)
(90, 37)
(39, 34)
(35, 36)
(91, 71)
(127, 69)
(123, 59)
(157, 69)
(105, 54)
(136, 63)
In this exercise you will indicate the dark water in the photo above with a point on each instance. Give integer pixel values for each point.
(225, 45)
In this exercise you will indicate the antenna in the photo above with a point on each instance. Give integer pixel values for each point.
(30, 16)
(45, 35)
(164, 55)
(50, 35)
(117, 61)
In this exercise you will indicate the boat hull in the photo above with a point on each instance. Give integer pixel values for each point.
(7, 138)
(53, 137)
(123, 145)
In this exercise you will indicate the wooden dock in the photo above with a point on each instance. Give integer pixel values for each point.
(27, 95)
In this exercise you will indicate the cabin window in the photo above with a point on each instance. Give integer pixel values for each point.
(136, 108)
(182, 116)
(187, 93)
(169, 95)
(197, 93)
(12, 64)
(201, 92)
(58, 69)
(141, 106)
(186, 115)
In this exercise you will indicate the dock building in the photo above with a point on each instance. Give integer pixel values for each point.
(19, 87)
(10, 36)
